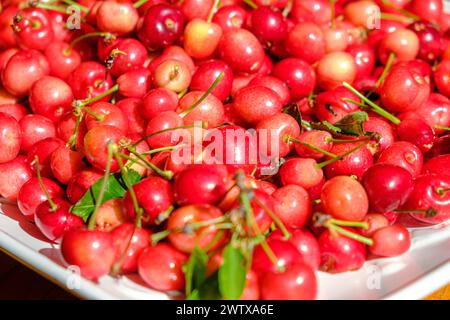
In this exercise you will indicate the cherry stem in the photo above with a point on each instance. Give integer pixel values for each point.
(47, 6)
(347, 140)
(310, 146)
(213, 10)
(156, 150)
(405, 12)
(52, 204)
(339, 157)
(98, 117)
(358, 224)
(385, 72)
(132, 161)
(111, 150)
(86, 36)
(164, 215)
(100, 96)
(442, 127)
(75, 4)
(126, 180)
(203, 97)
(182, 93)
(139, 3)
(349, 234)
(73, 138)
(395, 17)
(156, 237)
(250, 3)
(375, 108)
(429, 213)
(332, 14)
(274, 217)
(287, 9)
(167, 130)
(442, 191)
(167, 174)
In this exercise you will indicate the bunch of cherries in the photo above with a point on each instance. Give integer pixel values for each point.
(355, 95)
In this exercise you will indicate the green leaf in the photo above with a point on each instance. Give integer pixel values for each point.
(331, 128)
(115, 188)
(195, 273)
(232, 273)
(209, 290)
(353, 123)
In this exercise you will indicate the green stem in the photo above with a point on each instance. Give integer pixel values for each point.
(156, 237)
(97, 117)
(348, 140)
(85, 36)
(111, 150)
(73, 138)
(193, 125)
(164, 215)
(56, 8)
(350, 234)
(386, 70)
(182, 93)
(52, 204)
(357, 224)
(375, 108)
(203, 97)
(442, 191)
(310, 146)
(442, 127)
(139, 3)
(287, 9)
(79, 6)
(332, 14)
(156, 150)
(213, 10)
(163, 173)
(250, 3)
(339, 157)
(274, 217)
(100, 96)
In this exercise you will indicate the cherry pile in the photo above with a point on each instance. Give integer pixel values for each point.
(357, 106)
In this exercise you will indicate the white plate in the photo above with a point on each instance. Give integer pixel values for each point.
(414, 275)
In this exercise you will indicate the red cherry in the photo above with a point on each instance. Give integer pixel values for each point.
(355, 163)
(7, 36)
(403, 42)
(173, 52)
(385, 131)
(195, 8)
(344, 198)
(390, 241)
(284, 251)
(315, 138)
(111, 115)
(43, 150)
(89, 80)
(387, 186)
(154, 195)
(13, 175)
(298, 76)
(205, 75)
(33, 29)
(317, 11)
(268, 25)
(132, 110)
(293, 205)
(417, 131)
(332, 105)
(230, 17)
(302, 172)
(430, 10)
(172, 74)
(81, 182)
(375, 221)
(335, 68)
(157, 101)
(405, 155)
(10, 138)
(275, 84)
(161, 267)
(364, 57)
(35, 128)
(131, 55)
(201, 38)
(306, 35)
(132, 240)
(119, 17)
(164, 121)
(54, 223)
(438, 165)
(430, 41)
(66, 127)
(441, 77)
(17, 111)
(92, 251)
(210, 110)
(135, 83)
(65, 163)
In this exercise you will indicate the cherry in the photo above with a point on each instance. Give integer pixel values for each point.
(275, 84)
(54, 222)
(185, 235)
(5, 56)
(417, 131)
(33, 28)
(10, 138)
(125, 17)
(437, 165)
(302, 172)
(154, 195)
(355, 163)
(35, 128)
(209, 110)
(430, 10)
(61, 59)
(430, 192)
(403, 154)
(31, 195)
(364, 57)
(43, 150)
(384, 130)
(403, 42)
(430, 41)
(317, 11)
(360, 13)
(193, 9)
(65, 163)
(157, 101)
(336, 38)
(268, 25)
(241, 50)
(130, 242)
(441, 77)
(230, 16)
(207, 72)
(292, 205)
(344, 198)
(7, 36)
(390, 241)
(110, 114)
(164, 121)
(340, 253)
(128, 54)
(334, 104)
(92, 251)
(297, 282)
(109, 215)
(210, 186)
(173, 52)
(256, 103)
(298, 75)
(285, 253)
(161, 27)
(89, 79)
(172, 74)
(404, 89)
(51, 97)
(261, 203)
(161, 267)
(13, 175)
(387, 186)
(335, 68)
(66, 128)
(132, 110)
(81, 182)
(313, 143)
(135, 83)
(22, 70)
(201, 38)
(375, 222)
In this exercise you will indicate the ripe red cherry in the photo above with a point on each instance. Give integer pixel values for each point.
(297, 282)
(210, 110)
(430, 41)
(111, 115)
(430, 191)
(51, 97)
(298, 75)
(88, 80)
(154, 195)
(344, 198)
(132, 110)
(403, 42)
(317, 11)
(33, 29)
(387, 186)
(132, 55)
(405, 155)
(390, 241)
(66, 127)
(92, 251)
(35, 128)
(438, 164)
(205, 75)
(441, 77)
(286, 254)
(241, 50)
(202, 237)
(135, 83)
(172, 74)
(195, 8)
(404, 89)
(210, 186)
(292, 205)
(384, 129)
(161, 27)
(118, 17)
(163, 121)
(43, 150)
(375, 222)
(364, 57)
(254, 104)
(81, 182)
(31, 195)
(54, 223)
(10, 138)
(157, 101)
(340, 253)
(334, 68)
(306, 35)
(275, 84)
(302, 172)
(13, 175)
(15, 110)
(129, 243)
(65, 163)
(430, 10)
(173, 52)
(22, 70)
(161, 267)
(7, 36)
(268, 25)
(355, 163)
(230, 17)
(332, 106)
(315, 138)
(417, 131)
(201, 38)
